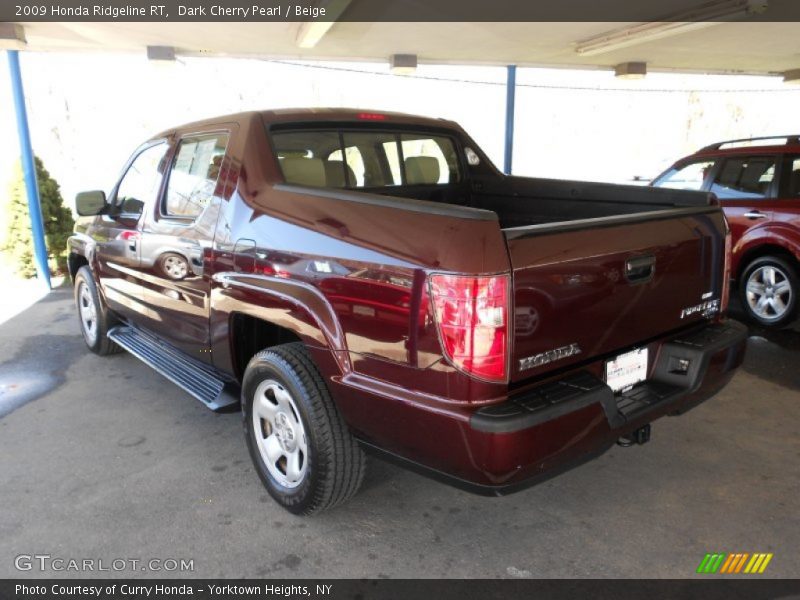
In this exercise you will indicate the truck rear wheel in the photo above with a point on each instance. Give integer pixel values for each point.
(298, 441)
(95, 319)
(768, 291)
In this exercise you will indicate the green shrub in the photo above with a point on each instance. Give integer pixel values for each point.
(17, 242)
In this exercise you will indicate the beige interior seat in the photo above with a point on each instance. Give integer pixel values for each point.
(304, 171)
(422, 169)
(334, 174)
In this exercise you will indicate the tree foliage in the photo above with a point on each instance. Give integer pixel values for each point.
(17, 240)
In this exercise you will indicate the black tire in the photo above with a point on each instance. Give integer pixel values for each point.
(335, 462)
(769, 317)
(99, 342)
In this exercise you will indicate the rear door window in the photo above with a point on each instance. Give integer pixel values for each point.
(794, 177)
(745, 178)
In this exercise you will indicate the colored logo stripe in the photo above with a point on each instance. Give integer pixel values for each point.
(734, 563)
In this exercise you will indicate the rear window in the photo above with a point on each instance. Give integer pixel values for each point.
(365, 159)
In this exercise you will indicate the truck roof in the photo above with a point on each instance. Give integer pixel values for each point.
(306, 115)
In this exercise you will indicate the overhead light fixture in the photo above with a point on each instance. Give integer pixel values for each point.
(12, 36)
(311, 32)
(792, 77)
(403, 64)
(160, 53)
(704, 15)
(631, 70)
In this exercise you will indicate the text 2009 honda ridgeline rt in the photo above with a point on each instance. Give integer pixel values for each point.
(370, 280)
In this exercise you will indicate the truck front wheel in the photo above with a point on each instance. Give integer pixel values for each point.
(768, 290)
(95, 320)
(298, 441)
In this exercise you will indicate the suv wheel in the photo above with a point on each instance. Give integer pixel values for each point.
(94, 318)
(768, 291)
(298, 441)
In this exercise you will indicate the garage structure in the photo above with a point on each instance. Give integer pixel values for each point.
(751, 487)
(749, 37)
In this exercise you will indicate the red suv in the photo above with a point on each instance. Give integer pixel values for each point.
(757, 182)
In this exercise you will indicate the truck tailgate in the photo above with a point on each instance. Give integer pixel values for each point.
(589, 289)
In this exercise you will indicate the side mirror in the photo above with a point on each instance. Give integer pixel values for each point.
(91, 203)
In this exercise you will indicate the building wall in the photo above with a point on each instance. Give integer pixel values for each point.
(88, 112)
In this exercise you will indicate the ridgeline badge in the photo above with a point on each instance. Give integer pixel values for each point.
(708, 308)
(543, 358)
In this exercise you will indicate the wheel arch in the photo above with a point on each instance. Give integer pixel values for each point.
(761, 250)
(260, 310)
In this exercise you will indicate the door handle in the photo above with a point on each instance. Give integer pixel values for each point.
(755, 214)
(640, 268)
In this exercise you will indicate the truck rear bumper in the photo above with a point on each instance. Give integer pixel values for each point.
(686, 369)
(544, 430)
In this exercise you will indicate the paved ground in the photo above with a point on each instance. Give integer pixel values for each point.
(108, 460)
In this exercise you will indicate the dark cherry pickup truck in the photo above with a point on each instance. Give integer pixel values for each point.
(369, 281)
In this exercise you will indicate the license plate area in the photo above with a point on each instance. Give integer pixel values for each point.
(626, 370)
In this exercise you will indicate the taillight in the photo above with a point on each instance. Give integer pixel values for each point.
(472, 317)
(726, 273)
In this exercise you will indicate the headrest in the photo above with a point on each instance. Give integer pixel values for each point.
(334, 174)
(303, 171)
(422, 169)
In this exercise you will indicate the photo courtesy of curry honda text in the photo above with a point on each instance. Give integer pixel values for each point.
(357, 281)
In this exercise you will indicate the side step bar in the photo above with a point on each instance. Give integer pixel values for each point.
(199, 379)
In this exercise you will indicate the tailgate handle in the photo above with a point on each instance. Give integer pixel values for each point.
(640, 269)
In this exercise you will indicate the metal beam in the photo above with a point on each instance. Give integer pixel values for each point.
(511, 89)
(310, 33)
(29, 170)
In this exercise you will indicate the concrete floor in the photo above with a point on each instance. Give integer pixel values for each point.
(106, 459)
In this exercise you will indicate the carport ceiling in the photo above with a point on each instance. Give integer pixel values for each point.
(727, 47)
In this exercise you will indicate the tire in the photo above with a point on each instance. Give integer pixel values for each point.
(173, 266)
(768, 291)
(94, 318)
(299, 443)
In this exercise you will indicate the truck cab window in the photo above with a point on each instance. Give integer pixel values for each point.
(429, 160)
(194, 174)
(354, 169)
(365, 159)
(139, 186)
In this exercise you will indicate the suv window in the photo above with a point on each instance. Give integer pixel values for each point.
(794, 178)
(140, 184)
(193, 177)
(365, 158)
(687, 177)
(745, 178)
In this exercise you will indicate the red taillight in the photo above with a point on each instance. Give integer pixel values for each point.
(472, 316)
(726, 273)
(371, 116)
